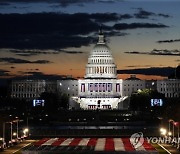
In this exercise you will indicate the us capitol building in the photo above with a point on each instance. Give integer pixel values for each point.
(100, 88)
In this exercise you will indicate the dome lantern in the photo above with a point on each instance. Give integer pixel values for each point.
(101, 37)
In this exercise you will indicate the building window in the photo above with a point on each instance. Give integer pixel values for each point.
(109, 87)
(117, 87)
(82, 87)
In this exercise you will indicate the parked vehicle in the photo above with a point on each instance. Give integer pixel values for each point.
(2, 144)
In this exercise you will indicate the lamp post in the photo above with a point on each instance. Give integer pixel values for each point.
(177, 125)
(26, 131)
(170, 120)
(11, 129)
(169, 128)
(17, 128)
(4, 135)
(178, 138)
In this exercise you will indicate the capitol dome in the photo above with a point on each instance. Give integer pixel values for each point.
(100, 62)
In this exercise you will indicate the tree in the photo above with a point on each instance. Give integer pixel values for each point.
(141, 99)
(64, 101)
(51, 101)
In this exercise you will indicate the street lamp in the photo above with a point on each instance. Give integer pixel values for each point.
(169, 133)
(163, 131)
(170, 120)
(25, 131)
(4, 133)
(177, 125)
(17, 126)
(4, 125)
(14, 134)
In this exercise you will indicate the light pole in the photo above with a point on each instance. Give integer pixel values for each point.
(4, 135)
(178, 137)
(17, 128)
(170, 126)
(11, 129)
(177, 125)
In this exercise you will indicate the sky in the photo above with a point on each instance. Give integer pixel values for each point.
(53, 38)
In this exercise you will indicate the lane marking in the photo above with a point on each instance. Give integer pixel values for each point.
(22, 147)
(164, 148)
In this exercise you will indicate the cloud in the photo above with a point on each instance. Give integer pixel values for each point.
(131, 66)
(4, 72)
(46, 30)
(109, 1)
(142, 14)
(38, 52)
(41, 62)
(124, 26)
(160, 71)
(59, 30)
(4, 4)
(164, 15)
(63, 3)
(25, 52)
(168, 41)
(163, 52)
(71, 52)
(107, 17)
(22, 61)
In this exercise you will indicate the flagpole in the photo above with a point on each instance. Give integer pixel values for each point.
(173, 129)
(169, 127)
(178, 136)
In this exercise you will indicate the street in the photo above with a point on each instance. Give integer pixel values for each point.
(15, 149)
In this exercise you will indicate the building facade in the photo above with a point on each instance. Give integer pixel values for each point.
(27, 89)
(170, 88)
(100, 88)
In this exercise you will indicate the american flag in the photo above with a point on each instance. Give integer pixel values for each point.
(104, 87)
(91, 87)
(97, 144)
(100, 87)
(96, 86)
(109, 86)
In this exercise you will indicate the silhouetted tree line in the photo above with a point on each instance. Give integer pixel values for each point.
(141, 100)
(176, 74)
(54, 101)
